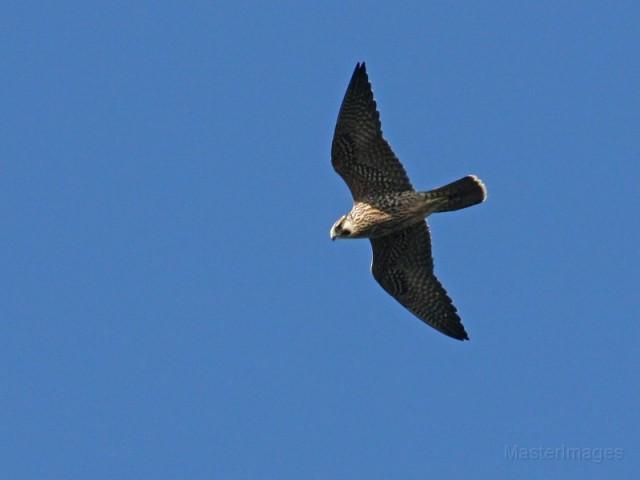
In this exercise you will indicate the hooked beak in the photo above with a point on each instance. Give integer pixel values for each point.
(332, 234)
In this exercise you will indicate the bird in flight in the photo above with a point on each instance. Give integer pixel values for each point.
(390, 213)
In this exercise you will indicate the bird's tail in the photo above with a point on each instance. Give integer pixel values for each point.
(462, 193)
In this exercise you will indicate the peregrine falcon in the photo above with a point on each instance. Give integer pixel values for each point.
(390, 213)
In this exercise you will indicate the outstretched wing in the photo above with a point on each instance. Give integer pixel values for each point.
(359, 153)
(403, 265)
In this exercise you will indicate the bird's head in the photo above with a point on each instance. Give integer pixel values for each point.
(343, 228)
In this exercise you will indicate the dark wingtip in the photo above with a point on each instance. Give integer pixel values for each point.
(359, 76)
(456, 331)
(459, 336)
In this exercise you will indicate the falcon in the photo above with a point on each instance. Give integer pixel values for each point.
(391, 213)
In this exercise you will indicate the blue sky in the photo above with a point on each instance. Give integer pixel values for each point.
(172, 306)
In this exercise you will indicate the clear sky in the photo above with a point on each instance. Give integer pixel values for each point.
(171, 304)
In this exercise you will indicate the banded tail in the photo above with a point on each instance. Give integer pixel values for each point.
(462, 193)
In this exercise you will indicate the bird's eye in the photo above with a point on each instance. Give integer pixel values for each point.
(346, 231)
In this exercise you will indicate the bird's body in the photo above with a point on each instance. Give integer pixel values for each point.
(387, 210)
(385, 214)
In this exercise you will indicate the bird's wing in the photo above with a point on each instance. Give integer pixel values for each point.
(403, 266)
(359, 153)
